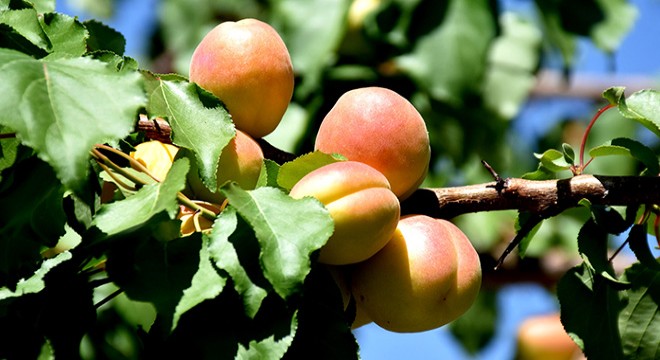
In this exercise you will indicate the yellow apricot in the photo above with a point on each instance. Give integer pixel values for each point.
(426, 276)
(542, 337)
(364, 209)
(156, 156)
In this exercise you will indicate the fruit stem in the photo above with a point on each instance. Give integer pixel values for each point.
(8, 136)
(580, 168)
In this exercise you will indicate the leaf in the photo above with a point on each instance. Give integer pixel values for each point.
(553, 160)
(569, 153)
(521, 220)
(224, 256)
(268, 348)
(291, 172)
(615, 94)
(271, 170)
(68, 37)
(62, 107)
(103, 37)
(639, 320)
(25, 23)
(644, 107)
(555, 33)
(589, 313)
(512, 62)
(285, 253)
(466, 22)
(638, 241)
(476, 328)
(35, 283)
(632, 148)
(620, 16)
(130, 213)
(32, 216)
(206, 284)
(203, 130)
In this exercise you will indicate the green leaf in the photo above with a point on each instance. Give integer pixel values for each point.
(476, 328)
(156, 271)
(32, 216)
(569, 153)
(638, 241)
(291, 172)
(555, 33)
(541, 173)
(466, 22)
(553, 160)
(62, 107)
(268, 348)
(639, 320)
(589, 313)
(203, 130)
(620, 16)
(522, 218)
(68, 37)
(103, 37)
(26, 24)
(206, 284)
(512, 62)
(271, 170)
(35, 283)
(130, 213)
(632, 148)
(224, 256)
(285, 253)
(614, 94)
(43, 6)
(644, 107)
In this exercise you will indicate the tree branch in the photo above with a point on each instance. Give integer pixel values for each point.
(546, 198)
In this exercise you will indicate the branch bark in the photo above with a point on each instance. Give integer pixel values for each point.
(546, 198)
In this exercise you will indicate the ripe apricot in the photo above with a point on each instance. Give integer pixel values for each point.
(426, 276)
(246, 65)
(379, 127)
(542, 337)
(240, 161)
(364, 209)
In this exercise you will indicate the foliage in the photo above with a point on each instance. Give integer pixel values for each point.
(250, 287)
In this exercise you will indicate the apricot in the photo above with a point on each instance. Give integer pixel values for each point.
(240, 161)
(364, 209)
(542, 337)
(156, 156)
(248, 67)
(426, 276)
(380, 128)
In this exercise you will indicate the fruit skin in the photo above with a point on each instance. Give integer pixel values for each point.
(342, 277)
(364, 209)
(542, 337)
(426, 276)
(246, 65)
(240, 161)
(379, 127)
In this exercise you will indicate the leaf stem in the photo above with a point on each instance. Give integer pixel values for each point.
(8, 136)
(108, 298)
(580, 168)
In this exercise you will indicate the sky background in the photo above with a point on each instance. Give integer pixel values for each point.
(639, 55)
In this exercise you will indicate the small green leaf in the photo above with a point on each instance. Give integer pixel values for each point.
(103, 37)
(62, 107)
(639, 320)
(632, 148)
(206, 284)
(569, 153)
(520, 221)
(553, 160)
(68, 37)
(224, 256)
(285, 254)
(643, 107)
(615, 94)
(120, 216)
(291, 172)
(269, 348)
(541, 173)
(203, 130)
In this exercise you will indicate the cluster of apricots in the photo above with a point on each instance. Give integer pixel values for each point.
(406, 273)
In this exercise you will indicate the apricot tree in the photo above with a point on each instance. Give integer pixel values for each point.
(192, 219)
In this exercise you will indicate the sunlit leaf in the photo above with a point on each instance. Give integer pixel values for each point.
(631, 148)
(643, 107)
(291, 172)
(195, 126)
(285, 254)
(269, 348)
(62, 107)
(35, 283)
(553, 160)
(67, 35)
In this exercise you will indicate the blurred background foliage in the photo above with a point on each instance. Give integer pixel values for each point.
(471, 69)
